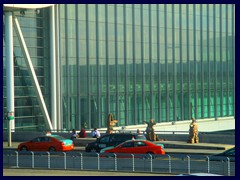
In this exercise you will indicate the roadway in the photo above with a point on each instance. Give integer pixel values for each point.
(171, 147)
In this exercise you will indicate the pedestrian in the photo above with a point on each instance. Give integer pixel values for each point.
(96, 133)
(73, 134)
(193, 132)
(140, 135)
(82, 133)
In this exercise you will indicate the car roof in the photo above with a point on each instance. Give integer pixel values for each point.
(119, 134)
(134, 140)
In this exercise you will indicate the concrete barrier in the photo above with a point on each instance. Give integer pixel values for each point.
(204, 138)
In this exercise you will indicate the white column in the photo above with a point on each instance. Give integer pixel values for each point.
(58, 71)
(53, 68)
(9, 65)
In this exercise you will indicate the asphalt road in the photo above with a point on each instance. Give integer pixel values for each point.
(53, 172)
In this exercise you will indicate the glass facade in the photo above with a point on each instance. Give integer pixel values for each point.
(35, 30)
(169, 62)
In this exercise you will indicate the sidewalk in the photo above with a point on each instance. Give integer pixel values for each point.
(171, 147)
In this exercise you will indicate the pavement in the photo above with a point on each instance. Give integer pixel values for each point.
(171, 147)
(63, 172)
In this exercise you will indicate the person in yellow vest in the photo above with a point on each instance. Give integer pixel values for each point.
(193, 132)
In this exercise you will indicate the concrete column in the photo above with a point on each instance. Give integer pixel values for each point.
(9, 74)
(9, 65)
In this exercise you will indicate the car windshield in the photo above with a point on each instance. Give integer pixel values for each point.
(230, 152)
(60, 138)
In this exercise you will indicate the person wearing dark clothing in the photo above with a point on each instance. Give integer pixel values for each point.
(73, 134)
(82, 133)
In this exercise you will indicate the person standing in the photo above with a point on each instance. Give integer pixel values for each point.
(193, 132)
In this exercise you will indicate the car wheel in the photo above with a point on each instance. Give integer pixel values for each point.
(148, 155)
(93, 150)
(52, 149)
(24, 148)
(110, 155)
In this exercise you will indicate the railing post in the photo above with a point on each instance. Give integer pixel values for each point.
(151, 161)
(65, 160)
(169, 163)
(228, 161)
(32, 159)
(133, 162)
(208, 165)
(81, 158)
(98, 161)
(48, 160)
(115, 158)
(188, 164)
(17, 159)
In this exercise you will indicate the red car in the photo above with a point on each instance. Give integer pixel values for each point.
(47, 143)
(136, 147)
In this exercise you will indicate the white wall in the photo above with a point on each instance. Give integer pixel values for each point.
(206, 125)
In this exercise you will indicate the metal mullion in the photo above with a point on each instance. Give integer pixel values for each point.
(209, 87)
(195, 63)
(125, 66)
(78, 70)
(134, 64)
(188, 64)
(221, 63)
(181, 61)
(107, 59)
(67, 70)
(227, 60)
(88, 69)
(150, 59)
(233, 58)
(202, 62)
(215, 63)
(174, 65)
(98, 71)
(116, 62)
(159, 66)
(142, 64)
(166, 62)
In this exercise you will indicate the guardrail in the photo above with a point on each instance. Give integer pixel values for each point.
(172, 164)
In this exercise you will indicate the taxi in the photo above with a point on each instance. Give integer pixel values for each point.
(47, 142)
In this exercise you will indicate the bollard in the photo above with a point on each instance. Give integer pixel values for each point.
(17, 159)
(150, 160)
(32, 159)
(115, 158)
(133, 161)
(48, 160)
(65, 160)
(208, 165)
(169, 163)
(228, 161)
(81, 158)
(98, 161)
(188, 164)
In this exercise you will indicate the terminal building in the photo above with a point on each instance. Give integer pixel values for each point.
(68, 66)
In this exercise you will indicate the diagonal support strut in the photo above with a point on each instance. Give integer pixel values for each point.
(32, 73)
